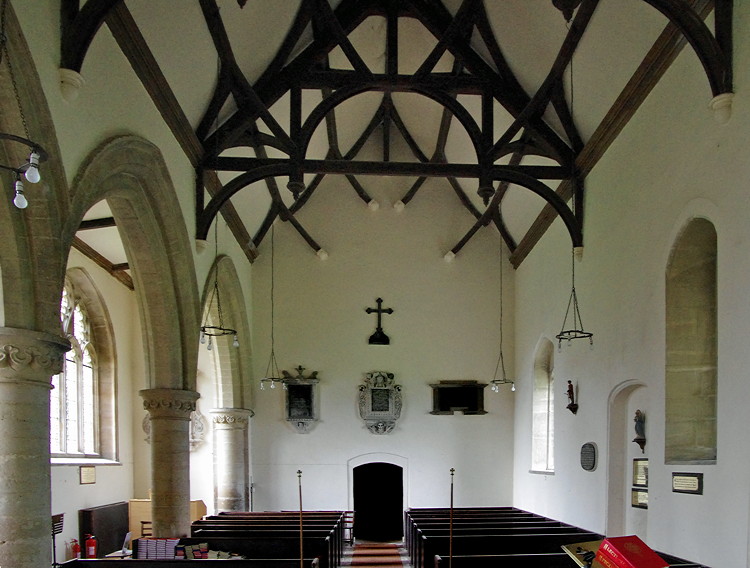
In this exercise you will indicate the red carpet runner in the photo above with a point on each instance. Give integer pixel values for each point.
(378, 555)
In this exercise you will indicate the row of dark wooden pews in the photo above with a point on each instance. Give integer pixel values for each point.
(264, 539)
(494, 537)
(274, 535)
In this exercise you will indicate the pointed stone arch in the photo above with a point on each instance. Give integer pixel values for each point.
(233, 365)
(130, 173)
(32, 258)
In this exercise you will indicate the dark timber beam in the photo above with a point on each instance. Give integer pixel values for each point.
(102, 223)
(78, 28)
(114, 270)
(366, 167)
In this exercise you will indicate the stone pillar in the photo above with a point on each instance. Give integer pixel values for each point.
(169, 410)
(27, 361)
(231, 459)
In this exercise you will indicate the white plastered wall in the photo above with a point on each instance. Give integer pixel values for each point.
(445, 326)
(672, 162)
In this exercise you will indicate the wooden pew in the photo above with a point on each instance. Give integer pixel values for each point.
(534, 560)
(273, 525)
(206, 563)
(272, 547)
(539, 560)
(519, 543)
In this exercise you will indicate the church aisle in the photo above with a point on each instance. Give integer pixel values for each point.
(376, 554)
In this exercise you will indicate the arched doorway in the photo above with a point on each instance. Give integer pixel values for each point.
(378, 502)
(620, 518)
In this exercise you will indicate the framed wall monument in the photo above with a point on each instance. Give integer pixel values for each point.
(458, 396)
(380, 402)
(301, 399)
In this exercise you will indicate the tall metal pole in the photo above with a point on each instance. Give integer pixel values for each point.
(301, 538)
(450, 536)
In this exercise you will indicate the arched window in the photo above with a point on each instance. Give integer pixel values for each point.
(543, 410)
(691, 346)
(82, 397)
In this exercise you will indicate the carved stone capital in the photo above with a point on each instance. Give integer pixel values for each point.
(238, 417)
(27, 355)
(176, 404)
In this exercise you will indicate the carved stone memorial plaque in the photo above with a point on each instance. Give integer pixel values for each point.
(301, 403)
(380, 402)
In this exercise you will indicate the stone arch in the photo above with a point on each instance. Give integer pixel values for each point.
(32, 257)
(130, 173)
(233, 365)
(617, 466)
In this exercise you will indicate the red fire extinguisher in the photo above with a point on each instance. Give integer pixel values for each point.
(90, 546)
(75, 548)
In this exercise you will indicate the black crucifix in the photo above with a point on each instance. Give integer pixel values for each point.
(379, 337)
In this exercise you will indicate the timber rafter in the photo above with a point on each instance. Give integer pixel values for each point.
(301, 64)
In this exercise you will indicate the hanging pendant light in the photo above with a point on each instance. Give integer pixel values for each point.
(577, 331)
(273, 375)
(30, 169)
(208, 332)
(500, 366)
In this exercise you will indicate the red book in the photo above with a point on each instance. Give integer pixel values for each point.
(628, 552)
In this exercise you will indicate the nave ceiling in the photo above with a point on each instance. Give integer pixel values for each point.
(507, 104)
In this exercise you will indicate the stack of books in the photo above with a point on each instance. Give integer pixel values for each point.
(157, 548)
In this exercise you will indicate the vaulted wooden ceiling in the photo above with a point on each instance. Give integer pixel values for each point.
(268, 98)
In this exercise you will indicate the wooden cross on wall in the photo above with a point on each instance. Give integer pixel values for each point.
(379, 337)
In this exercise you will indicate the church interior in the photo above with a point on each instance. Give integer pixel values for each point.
(376, 254)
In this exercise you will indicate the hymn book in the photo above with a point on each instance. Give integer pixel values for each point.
(628, 552)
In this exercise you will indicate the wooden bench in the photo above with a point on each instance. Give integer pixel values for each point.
(273, 547)
(321, 525)
(535, 560)
(206, 563)
(518, 543)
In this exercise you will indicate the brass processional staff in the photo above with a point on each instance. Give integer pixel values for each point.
(301, 539)
(450, 525)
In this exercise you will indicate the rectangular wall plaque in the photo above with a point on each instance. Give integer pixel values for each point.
(639, 498)
(683, 482)
(640, 472)
(87, 474)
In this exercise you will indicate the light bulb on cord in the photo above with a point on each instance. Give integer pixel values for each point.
(32, 172)
(210, 345)
(236, 342)
(513, 387)
(20, 200)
